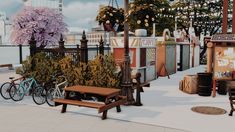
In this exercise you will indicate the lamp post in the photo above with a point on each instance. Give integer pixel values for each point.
(126, 70)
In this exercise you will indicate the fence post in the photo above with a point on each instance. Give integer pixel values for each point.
(101, 46)
(83, 49)
(32, 45)
(78, 54)
(97, 49)
(61, 46)
(20, 53)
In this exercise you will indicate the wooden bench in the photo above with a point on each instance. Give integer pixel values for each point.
(231, 92)
(7, 65)
(111, 97)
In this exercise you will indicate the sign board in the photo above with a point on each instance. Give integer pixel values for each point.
(224, 62)
(134, 42)
(223, 38)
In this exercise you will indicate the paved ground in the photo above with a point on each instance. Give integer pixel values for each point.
(166, 109)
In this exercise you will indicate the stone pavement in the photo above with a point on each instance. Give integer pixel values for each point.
(165, 109)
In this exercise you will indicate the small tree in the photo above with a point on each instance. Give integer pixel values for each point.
(205, 16)
(46, 24)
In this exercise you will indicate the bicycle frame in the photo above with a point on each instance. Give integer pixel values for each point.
(31, 81)
(57, 91)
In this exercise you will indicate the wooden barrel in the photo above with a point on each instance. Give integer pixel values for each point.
(204, 84)
(222, 87)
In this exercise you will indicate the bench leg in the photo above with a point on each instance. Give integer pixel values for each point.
(118, 108)
(104, 116)
(231, 112)
(232, 108)
(64, 108)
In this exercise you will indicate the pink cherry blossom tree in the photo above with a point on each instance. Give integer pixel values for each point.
(46, 24)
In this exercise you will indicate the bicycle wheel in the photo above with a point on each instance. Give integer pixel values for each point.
(39, 95)
(16, 92)
(4, 90)
(51, 94)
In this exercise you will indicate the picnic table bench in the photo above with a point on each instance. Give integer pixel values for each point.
(6, 65)
(111, 98)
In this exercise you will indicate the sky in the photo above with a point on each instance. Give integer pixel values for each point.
(79, 14)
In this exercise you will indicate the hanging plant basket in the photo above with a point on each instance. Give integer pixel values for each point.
(110, 16)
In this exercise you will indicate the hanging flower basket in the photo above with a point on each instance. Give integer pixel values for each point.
(111, 17)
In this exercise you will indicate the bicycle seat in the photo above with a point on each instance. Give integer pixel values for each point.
(11, 78)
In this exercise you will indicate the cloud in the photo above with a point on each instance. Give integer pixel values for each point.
(78, 13)
(10, 6)
(82, 14)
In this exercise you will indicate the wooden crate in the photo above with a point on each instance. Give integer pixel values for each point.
(190, 84)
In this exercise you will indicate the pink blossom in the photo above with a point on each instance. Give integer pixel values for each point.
(46, 24)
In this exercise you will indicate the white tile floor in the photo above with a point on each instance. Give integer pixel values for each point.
(165, 107)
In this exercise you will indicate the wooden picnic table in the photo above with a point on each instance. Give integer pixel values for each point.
(111, 99)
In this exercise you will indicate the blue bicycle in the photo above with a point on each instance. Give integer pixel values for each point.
(29, 85)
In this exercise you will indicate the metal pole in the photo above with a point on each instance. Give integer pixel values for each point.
(126, 70)
(20, 53)
(126, 29)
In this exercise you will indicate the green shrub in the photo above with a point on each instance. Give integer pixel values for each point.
(98, 72)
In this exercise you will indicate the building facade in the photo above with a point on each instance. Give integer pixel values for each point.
(95, 35)
(54, 4)
(5, 26)
(73, 38)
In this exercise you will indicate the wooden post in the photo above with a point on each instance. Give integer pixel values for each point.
(193, 53)
(209, 56)
(101, 46)
(84, 49)
(233, 22)
(225, 16)
(214, 88)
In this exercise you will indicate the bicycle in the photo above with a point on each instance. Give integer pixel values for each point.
(5, 87)
(57, 91)
(18, 91)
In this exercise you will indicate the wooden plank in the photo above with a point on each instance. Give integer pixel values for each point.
(94, 90)
(111, 105)
(6, 65)
(79, 103)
